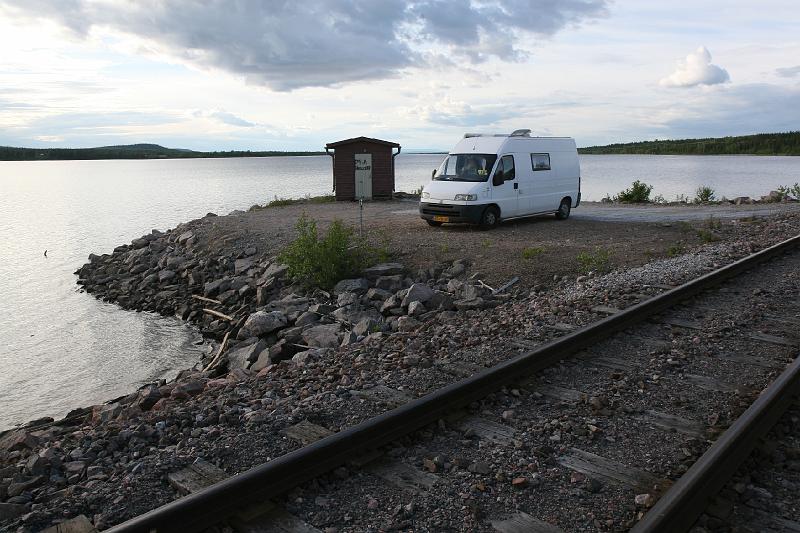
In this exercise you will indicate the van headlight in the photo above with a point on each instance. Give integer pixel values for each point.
(465, 197)
(426, 195)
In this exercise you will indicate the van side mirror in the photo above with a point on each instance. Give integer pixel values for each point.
(433, 173)
(498, 179)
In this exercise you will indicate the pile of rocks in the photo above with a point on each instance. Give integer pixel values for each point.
(248, 299)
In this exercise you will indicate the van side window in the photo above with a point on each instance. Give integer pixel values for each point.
(540, 161)
(508, 167)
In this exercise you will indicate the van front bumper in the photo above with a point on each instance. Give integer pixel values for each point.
(454, 212)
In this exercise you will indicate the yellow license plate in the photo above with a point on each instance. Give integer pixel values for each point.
(437, 218)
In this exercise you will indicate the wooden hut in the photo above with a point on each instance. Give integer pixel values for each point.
(363, 168)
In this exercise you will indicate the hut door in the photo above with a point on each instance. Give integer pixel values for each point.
(363, 175)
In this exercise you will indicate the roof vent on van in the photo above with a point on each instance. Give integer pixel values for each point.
(521, 133)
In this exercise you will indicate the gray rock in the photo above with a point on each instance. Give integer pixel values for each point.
(389, 283)
(139, 243)
(306, 318)
(418, 292)
(347, 298)
(276, 270)
(475, 303)
(365, 327)
(307, 356)
(325, 336)
(416, 308)
(454, 286)
(242, 357)
(440, 300)
(383, 269)
(9, 511)
(349, 338)
(212, 288)
(263, 360)
(242, 265)
(377, 295)
(185, 237)
(358, 286)
(261, 323)
(289, 304)
(407, 323)
(392, 303)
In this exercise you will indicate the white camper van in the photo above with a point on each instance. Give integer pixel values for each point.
(489, 178)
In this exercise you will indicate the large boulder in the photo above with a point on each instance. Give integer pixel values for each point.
(418, 292)
(383, 269)
(325, 336)
(358, 285)
(242, 357)
(261, 323)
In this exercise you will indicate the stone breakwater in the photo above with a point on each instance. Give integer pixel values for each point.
(245, 298)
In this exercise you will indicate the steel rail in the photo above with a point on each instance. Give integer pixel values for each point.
(271, 479)
(680, 507)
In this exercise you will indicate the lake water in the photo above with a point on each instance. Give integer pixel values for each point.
(61, 349)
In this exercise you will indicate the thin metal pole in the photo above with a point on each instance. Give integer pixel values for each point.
(361, 217)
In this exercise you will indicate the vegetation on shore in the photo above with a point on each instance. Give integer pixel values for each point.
(761, 144)
(129, 151)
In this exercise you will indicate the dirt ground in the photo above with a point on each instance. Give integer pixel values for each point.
(535, 249)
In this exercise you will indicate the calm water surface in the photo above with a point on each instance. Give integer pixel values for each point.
(61, 349)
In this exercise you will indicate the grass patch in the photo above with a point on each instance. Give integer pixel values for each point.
(707, 236)
(321, 261)
(530, 253)
(679, 248)
(598, 261)
(307, 199)
(638, 193)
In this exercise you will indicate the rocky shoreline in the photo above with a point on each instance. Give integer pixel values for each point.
(281, 355)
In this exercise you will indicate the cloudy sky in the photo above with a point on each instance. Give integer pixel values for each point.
(285, 75)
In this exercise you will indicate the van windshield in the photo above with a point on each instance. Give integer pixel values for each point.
(465, 167)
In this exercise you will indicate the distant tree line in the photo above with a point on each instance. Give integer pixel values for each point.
(129, 151)
(761, 144)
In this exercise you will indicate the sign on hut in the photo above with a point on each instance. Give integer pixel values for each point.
(362, 168)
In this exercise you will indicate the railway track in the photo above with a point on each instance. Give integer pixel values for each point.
(612, 426)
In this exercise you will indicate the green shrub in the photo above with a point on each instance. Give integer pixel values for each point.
(321, 262)
(793, 191)
(704, 195)
(637, 194)
(530, 253)
(707, 236)
(713, 223)
(598, 261)
(676, 249)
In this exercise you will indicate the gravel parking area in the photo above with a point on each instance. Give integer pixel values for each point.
(535, 249)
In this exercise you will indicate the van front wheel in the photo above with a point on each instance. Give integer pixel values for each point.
(490, 218)
(563, 210)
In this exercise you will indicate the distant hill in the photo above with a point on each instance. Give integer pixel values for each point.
(761, 144)
(127, 151)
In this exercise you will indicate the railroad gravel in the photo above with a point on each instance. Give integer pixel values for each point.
(110, 462)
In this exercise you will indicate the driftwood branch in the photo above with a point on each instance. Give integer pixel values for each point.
(218, 314)
(215, 361)
(506, 285)
(204, 299)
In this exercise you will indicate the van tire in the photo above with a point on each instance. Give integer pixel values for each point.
(433, 223)
(564, 209)
(490, 218)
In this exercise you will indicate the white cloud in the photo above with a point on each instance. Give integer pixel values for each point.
(695, 70)
(318, 43)
(788, 72)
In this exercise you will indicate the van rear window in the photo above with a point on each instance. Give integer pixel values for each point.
(540, 161)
